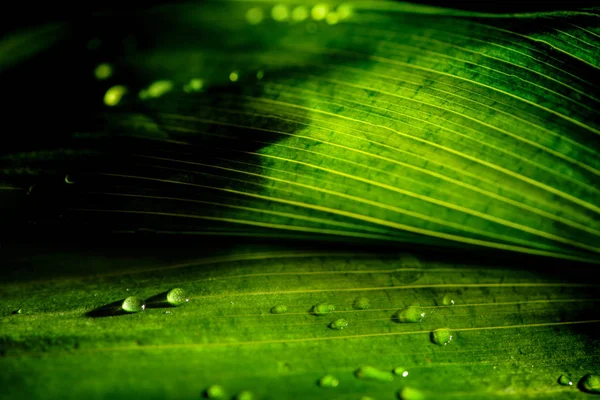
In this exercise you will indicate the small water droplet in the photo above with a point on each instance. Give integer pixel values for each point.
(133, 304)
(322, 309)
(319, 12)
(280, 12)
(410, 314)
(372, 373)
(565, 380)
(103, 71)
(279, 309)
(441, 336)
(167, 312)
(113, 95)
(400, 371)
(244, 395)
(329, 381)
(194, 85)
(409, 393)
(591, 383)
(19, 311)
(300, 13)
(361, 303)
(156, 89)
(177, 297)
(447, 301)
(338, 324)
(234, 76)
(215, 392)
(254, 15)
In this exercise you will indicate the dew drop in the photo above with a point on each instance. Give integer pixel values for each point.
(591, 383)
(194, 85)
(234, 76)
(133, 304)
(19, 311)
(244, 395)
(338, 324)
(280, 12)
(329, 381)
(319, 12)
(565, 380)
(299, 14)
(103, 71)
(254, 15)
(361, 303)
(400, 371)
(215, 392)
(177, 297)
(372, 373)
(113, 95)
(447, 301)
(409, 393)
(441, 336)
(279, 309)
(322, 309)
(410, 314)
(156, 89)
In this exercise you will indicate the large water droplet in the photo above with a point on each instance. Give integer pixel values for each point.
(133, 304)
(244, 395)
(591, 383)
(234, 76)
(565, 380)
(177, 297)
(372, 373)
(447, 300)
(441, 336)
(279, 309)
(400, 371)
(329, 381)
(410, 314)
(319, 12)
(322, 309)
(409, 393)
(361, 303)
(338, 324)
(215, 392)
(113, 95)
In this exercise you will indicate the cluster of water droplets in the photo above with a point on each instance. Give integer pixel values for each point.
(284, 12)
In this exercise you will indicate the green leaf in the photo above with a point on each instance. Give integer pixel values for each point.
(470, 139)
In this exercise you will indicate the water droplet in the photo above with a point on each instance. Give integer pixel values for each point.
(279, 309)
(113, 95)
(280, 12)
(194, 85)
(372, 373)
(441, 336)
(234, 76)
(260, 74)
(68, 180)
(103, 71)
(338, 324)
(177, 297)
(332, 18)
(19, 311)
(156, 89)
(447, 301)
(254, 15)
(319, 12)
(366, 398)
(591, 383)
(565, 380)
(409, 393)
(329, 381)
(361, 303)
(410, 314)
(215, 392)
(133, 304)
(300, 13)
(400, 371)
(244, 395)
(167, 312)
(322, 309)
(344, 11)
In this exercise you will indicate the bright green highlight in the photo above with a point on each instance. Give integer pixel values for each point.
(371, 373)
(133, 304)
(441, 336)
(156, 89)
(409, 393)
(591, 383)
(103, 71)
(338, 324)
(322, 308)
(319, 12)
(279, 309)
(300, 13)
(194, 85)
(344, 11)
(329, 381)
(177, 297)
(410, 314)
(244, 395)
(400, 371)
(332, 18)
(254, 15)
(280, 12)
(113, 96)
(215, 392)
(234, 76)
